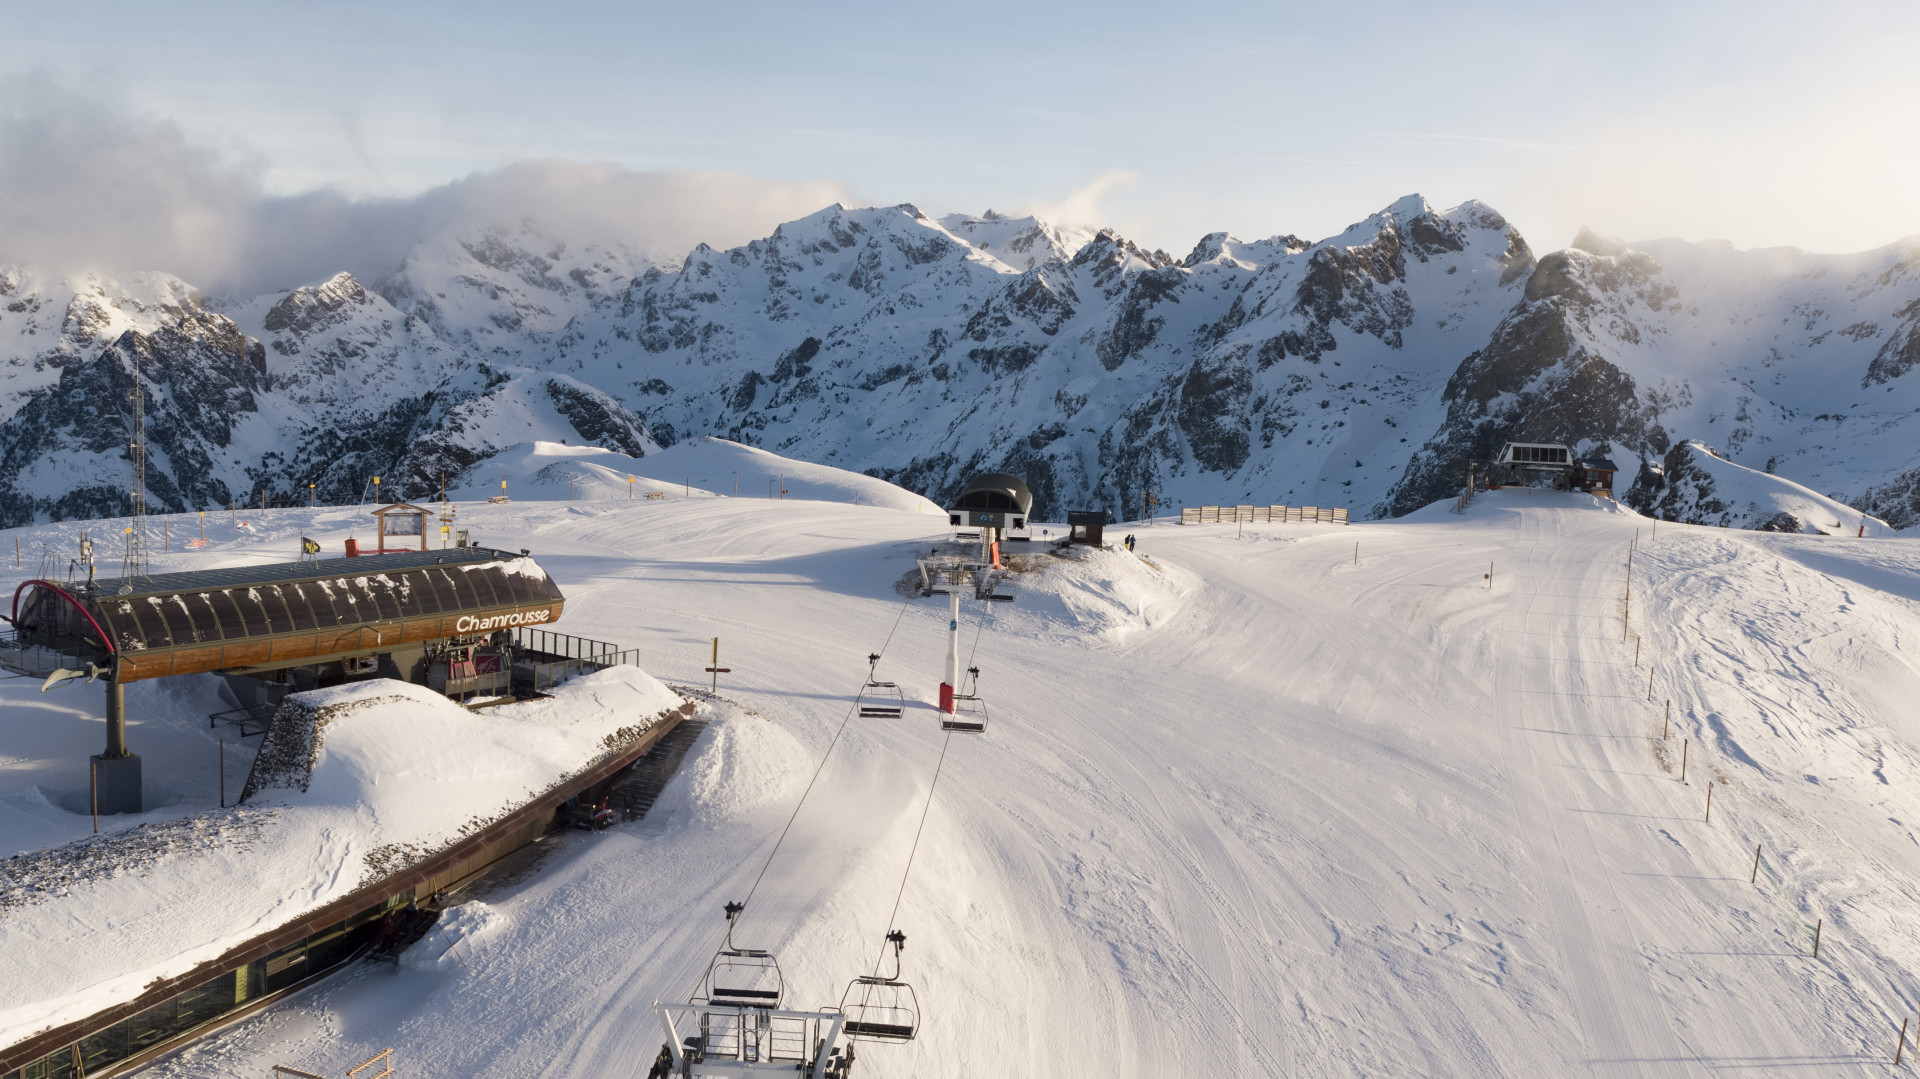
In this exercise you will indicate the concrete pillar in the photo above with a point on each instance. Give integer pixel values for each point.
(116, 773)
(116, 720)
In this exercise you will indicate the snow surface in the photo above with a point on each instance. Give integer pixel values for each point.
(1248, 805)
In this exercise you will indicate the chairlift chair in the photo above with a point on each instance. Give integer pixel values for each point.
(881, 699)
(881, 1008)
(969, 711)
(743, 977)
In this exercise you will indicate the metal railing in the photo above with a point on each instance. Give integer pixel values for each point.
(548, 658)
(34, 660)
(251, 719)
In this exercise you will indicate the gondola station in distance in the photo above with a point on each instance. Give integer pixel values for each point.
(996, 504)
(418, 616)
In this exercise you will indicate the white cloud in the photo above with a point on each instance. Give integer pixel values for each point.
(84, 186)
(1082, 206)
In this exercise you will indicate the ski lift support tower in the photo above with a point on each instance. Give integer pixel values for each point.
(948, 575)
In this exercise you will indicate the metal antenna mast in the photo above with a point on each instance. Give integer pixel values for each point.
(135, 564)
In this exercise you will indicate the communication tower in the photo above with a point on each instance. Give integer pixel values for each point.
(135, 564)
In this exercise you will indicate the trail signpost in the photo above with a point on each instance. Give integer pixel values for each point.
(717, 670)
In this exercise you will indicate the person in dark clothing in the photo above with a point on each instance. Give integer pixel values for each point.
(1129, 541)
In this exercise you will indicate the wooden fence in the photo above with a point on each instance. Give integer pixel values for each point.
(1202, 515)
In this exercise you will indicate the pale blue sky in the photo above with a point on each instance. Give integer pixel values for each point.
(1748, 121)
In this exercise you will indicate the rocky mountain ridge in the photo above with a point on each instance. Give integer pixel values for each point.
(1359, 370)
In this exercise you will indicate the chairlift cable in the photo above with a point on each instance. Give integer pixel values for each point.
(913, 850)
(938, 766)
(821, 767)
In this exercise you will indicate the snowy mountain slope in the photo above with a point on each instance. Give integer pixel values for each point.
(1789, 362)
(860, 334)
(1359, 370)
(326, 385)
(695, 468)
(1315, 818)
(1694, 484)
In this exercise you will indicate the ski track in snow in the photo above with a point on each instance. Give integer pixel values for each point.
(1267, 812)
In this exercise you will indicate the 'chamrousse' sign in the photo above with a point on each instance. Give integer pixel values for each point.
(470, 624)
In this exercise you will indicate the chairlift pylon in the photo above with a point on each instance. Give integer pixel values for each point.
(969, 713)
(880, 699)
(882, 1008)
(742, 977)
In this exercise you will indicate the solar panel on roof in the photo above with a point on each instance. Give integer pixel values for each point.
(332, 568)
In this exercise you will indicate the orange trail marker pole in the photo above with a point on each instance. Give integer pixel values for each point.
(1683, 760)
(1755, 875)
(1901, 1046)
(1816, 936)
(1709, 801)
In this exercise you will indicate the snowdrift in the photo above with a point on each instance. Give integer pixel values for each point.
(1106, 594)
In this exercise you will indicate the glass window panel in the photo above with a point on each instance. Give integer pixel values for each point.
(252, 614)
(344, 599)
(151, 1027)
(226, 615)
(298, 607)
(153, 624)
(179, 623)
(272, 605)
(206, 620)
(464, 587)
(381, 591)
(447, 591)
(124, 625)
(58, 1065)
(544, 590)
(208, 1002)
(415, 595)
(104, 1048)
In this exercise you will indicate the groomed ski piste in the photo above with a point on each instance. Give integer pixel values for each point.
(1250, 802)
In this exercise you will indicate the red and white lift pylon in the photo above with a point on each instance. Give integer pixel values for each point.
(949, 575)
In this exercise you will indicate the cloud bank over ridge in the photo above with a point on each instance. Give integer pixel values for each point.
(90, 188)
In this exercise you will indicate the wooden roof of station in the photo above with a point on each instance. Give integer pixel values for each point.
(285, 614)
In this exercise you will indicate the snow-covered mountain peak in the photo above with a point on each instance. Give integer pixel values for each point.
(1223, 249)
(1591, 241)
(309, 307)
(1023, 243)
(1360, 369)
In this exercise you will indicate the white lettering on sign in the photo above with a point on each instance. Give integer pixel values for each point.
(470, 624)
